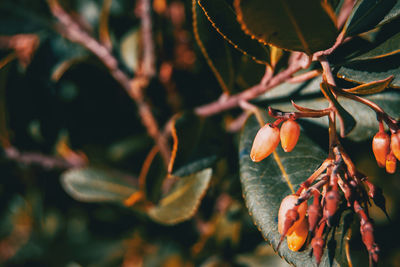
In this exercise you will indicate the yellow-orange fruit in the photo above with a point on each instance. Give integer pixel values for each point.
(287, 204)
(395, 144)
(290, 132)
(265, 142)
(380, 147)
(390, 163)
(298, 237)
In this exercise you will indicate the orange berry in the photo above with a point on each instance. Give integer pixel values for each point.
(290, 132)
(395, 144)
(298, 237)
(390, 163)
(265, 142)
(287, 204)
(380, 147)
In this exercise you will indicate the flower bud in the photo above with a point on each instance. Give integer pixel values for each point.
(380, 147)
(395, 144)
(390, 163)
(290, 132)
(265, 142)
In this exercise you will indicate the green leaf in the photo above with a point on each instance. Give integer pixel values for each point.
(392, 14)
(214, 49)
(223, 19)
(19, 16)
(367, 14)
(97, 185)
(182, 201)
(389, 47)
(370, 88)
(198, 143)
(294, 25)
(266, 183)
(130, 49)
(372, 70)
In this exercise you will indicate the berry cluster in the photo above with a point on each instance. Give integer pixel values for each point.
(386, 148)
(268, 137)
(333, 186)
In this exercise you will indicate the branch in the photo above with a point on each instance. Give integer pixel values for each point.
(45, 161)
(73, 32)
(249, 94)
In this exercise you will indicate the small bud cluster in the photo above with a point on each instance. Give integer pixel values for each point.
(386, 149)
(269, 136)
(333, 186)
(334, 179)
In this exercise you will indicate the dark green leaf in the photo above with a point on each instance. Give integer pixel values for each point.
(199, 142)
(389, 47)
(97, 185)
(370, 88)
(183, 200)
(372, 70)
(393, 14)
(19, 16)
(214, 48)
(367, 14)
(223, 19)
(266, 183)
(294, 25)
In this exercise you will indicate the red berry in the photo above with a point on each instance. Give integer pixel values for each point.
(380, 147)
(290, 132)
(395, 144)
(265, 142)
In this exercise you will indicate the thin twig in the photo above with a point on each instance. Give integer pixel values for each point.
(249, 94)
(148, 66)
(73, 32)
(45, 161)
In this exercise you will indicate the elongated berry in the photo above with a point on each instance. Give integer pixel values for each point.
(298, 236)
(380, 147)
(395, 144)
(287, 204)
(391, 163)
(290, 132)
(265, 142)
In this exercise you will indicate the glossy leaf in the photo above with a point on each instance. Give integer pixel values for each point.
(213, 47)
(223, 19)
(346, 120)
(294, 25)
(389, 47)
(370, 88)
(266, 183)
(197, 144)
(372, 70)
(366, 15)
(97, 185)
(183, 200)
(392, 14)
